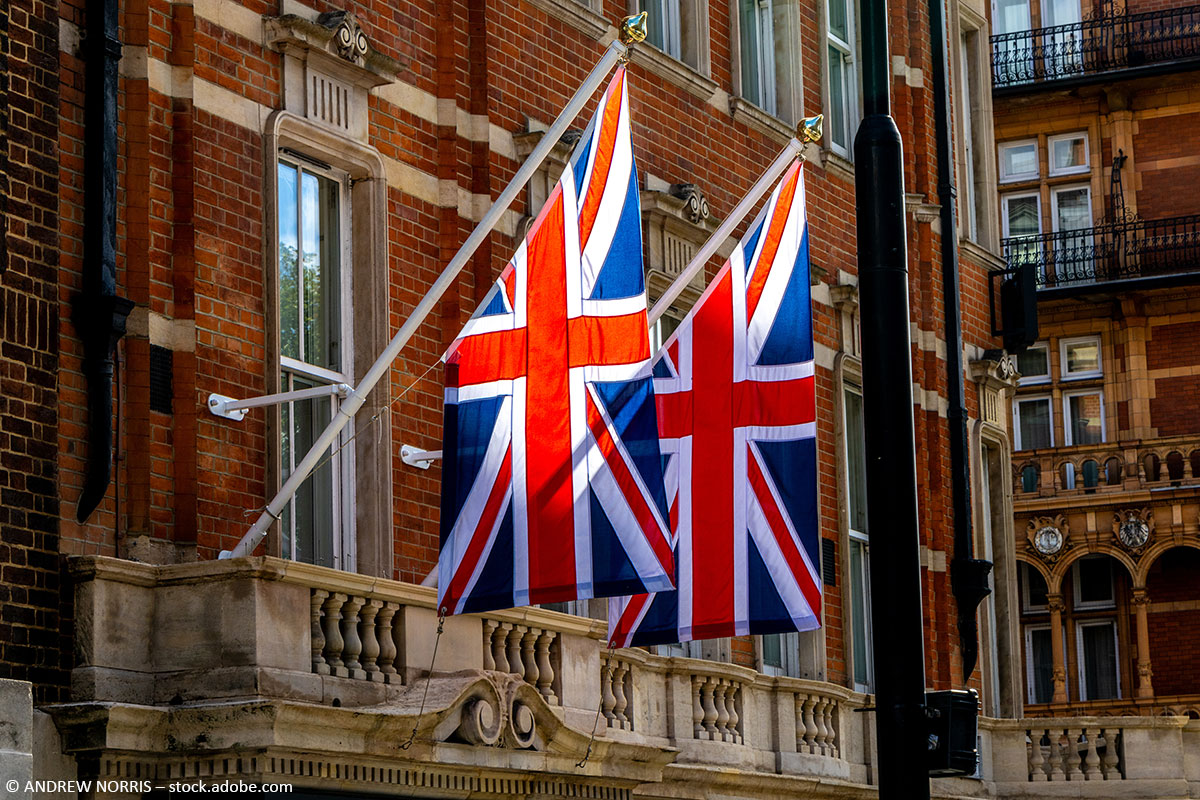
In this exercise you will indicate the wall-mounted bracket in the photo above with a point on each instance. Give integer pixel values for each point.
(421, 459)
(229, 408)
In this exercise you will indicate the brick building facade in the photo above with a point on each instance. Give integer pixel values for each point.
(1094, 134)
(291, 179)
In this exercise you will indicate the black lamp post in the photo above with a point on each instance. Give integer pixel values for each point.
(888, 418)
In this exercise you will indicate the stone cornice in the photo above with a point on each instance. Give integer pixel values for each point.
(674, 71)
(338, 41)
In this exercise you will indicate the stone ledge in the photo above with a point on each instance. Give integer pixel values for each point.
(674, 71)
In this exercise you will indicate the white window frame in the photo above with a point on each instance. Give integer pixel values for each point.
(1068, 439)
(1027, 606)
(970, 223)
(1004, 200)
(1066, 137)
(1077, 587)
(1017, 444)
(849, 53)
(862, 538)
(1034, 380)
(343, 545)
(1063, 344)
(1019, 177)
(1080, 655)
(1030, 683)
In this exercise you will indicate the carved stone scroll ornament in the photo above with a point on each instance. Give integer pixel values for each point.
(1133, 528)
(1049, 537)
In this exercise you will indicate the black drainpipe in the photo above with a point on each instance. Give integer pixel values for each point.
(99, 313)
(968, 575)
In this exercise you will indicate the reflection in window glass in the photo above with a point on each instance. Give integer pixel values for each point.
(856, 462)
(1041, 661)
(1067, 155)
(1073, 208)
(1085, 417)
(860, 612)
(1022, 216)
(1018, 161)
(1034, 424)
(1082, 356)
(1034, 363)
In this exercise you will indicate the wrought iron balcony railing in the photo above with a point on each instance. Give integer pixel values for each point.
(1095, 47)
(1116, 251)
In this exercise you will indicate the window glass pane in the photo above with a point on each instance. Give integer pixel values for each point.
(837, 98)
(772, 650)
(856, 462)
(1018, 159)
(1085, 419)
(1042, 660)
(838, 20)
(319, 236)
(1068, 154)
(1034, 416)
(1100, 661)
(1095, 581)
(1037, 587)
(1074, 209)
(860, 612)
(312, 506)
(1034, 363)
(289, 295)
(1083, 356)
(1023, 216)
(1012, 16)
(748, 23)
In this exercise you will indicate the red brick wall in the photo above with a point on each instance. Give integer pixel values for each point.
(1173, 410)
(192, 241)
(34, 628)
(1173, 345)
(1158, 144)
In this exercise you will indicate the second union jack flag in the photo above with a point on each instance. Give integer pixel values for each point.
(552, 483)
(737, 425)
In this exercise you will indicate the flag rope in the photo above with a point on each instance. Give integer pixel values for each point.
(595, 722)
(428, 680)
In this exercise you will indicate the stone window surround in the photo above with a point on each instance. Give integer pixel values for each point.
(970, 17)
(747, 112)
(371, 550)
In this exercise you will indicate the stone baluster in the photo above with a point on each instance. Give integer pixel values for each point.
(732, 698)
(489, 630)
(333, 634)
(499, 646)
(370, 643)
(529, 655)
(387, 644)
(545, 684)
(810, 726)
(621, 700)
(831, 744)
(823, 731)
(720, 692)
(710, 710)
(1037, 771)
(697, 708)
(1071, 756)
(353, 648)
(607, 699)
(514, 649)
(1091, 762)
(1110, 764)
(318, 636)
(1054, 758)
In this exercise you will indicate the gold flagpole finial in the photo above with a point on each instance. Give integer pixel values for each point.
(809, 129)
(633, 29)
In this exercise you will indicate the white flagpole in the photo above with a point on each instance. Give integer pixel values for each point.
(632, 31)
(807, 130)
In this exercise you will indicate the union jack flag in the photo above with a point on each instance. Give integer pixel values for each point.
(552, 483)
(737, 428)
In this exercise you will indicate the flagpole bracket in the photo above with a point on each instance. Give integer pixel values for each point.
(231, 408)
(415, 457)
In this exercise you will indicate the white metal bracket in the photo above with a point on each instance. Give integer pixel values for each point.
(421, 459)
(229, 408)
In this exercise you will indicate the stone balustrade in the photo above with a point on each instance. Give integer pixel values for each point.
(1075, 754)
(1108, 467)
(309, 642)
